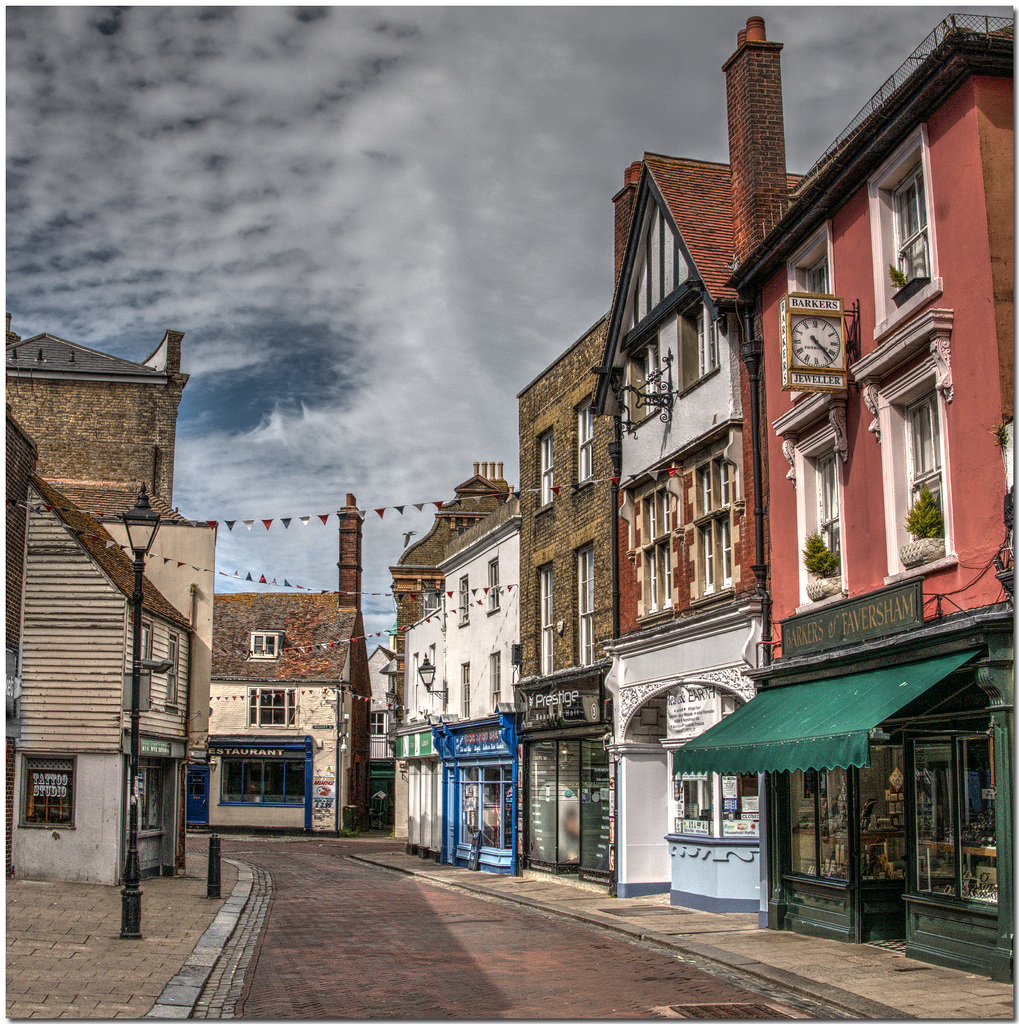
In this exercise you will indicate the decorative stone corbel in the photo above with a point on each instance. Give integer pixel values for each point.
(871, 390)
(837, 419)
(941, 350)
(789, 451)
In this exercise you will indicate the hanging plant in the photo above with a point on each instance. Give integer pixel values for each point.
(897, 276)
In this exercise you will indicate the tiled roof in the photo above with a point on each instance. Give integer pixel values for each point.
(105, 500)
(117, 565)
(58, 355)
(304, 620)
(698, 194)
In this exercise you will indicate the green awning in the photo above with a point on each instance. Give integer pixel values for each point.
(824, 723)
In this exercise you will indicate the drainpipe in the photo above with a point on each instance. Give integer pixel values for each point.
(616, 455)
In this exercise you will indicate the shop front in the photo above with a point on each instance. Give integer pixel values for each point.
(159, 768)
(480, 771)
(566, 785)
(264, 783)
(416, 749)
(888, 746)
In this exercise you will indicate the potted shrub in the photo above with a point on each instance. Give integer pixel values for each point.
(907, 288)
(926, 525)
(824, 565)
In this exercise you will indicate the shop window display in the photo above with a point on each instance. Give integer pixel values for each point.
(956, 854)
(882, 815)
(820, 823)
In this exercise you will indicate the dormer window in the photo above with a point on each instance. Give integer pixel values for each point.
(266, 645)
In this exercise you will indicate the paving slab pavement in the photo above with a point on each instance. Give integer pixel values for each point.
(65, 957)
(868, 981)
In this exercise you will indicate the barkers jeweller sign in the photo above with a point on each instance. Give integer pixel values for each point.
(881, 613)
(563, 703)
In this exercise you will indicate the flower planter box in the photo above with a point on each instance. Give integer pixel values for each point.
(909, 289)
(824, 586)
(920, 552)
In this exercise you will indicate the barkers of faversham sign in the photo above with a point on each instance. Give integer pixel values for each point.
(890, 610)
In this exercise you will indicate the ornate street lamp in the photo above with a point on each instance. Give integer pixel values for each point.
(427, 672)
(141, 523)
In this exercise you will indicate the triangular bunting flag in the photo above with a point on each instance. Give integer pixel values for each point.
(286, 524)
(267, 523)
(304, 520)
(672, 470)
(247, 579)
(400, 508)
(230, 523)
(249, 523)
(419, 507)
(381, 512)
(211, 523)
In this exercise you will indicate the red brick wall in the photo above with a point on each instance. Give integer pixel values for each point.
(756, 139)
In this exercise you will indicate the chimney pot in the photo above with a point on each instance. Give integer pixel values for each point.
(498, 472)
(351, 501)
(741, 37)
(755, 30)
(477, 468)
(484, 470)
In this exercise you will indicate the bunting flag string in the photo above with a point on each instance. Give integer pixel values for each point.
(323, 517)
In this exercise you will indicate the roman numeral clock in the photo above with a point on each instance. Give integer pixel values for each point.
(812, 332)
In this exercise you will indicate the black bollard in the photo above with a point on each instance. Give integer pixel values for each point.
(212, 891)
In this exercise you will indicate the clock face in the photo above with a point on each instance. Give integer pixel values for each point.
(816, 341)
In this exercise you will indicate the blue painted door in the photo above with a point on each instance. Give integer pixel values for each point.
(198, 795)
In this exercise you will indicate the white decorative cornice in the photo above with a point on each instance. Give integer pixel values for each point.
(919, 334)
(729, 680)
(871, 390)
(941, 351)
(789, 451)
(802, 415)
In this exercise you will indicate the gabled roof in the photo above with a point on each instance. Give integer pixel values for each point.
(698, 195)
(48, 353)
(105, 552)
(305, 620)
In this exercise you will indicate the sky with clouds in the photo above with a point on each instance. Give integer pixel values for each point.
(374, 225)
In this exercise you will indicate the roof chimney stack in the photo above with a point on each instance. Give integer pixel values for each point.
(350, 555)
(624, 201)
(753, 86)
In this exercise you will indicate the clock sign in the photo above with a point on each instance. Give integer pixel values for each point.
(812, 331)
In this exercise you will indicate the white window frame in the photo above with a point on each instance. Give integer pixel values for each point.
(429, 601)
(655, 511)
(912, 157)
(495, 678)
(585, 443)
(465, 689)
(585, 605)
(255, 708)
(260, 646)
(919, 476)
(546, 446)
(493, 585)
(173, 676)
(715, 483)
(806, 263)
(707, 342)
(888, 390)
(547, 611)
(464, 606)
(811, 455)
(829, 500)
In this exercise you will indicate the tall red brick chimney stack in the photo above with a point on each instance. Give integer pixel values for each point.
(350, 554)
(753, 86)
(623, 201)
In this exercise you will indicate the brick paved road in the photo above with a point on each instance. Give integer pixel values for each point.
(344, 939)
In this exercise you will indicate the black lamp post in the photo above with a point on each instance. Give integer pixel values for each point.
(141, 523)
(427, 672)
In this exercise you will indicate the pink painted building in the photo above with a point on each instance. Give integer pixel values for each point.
(882, 305)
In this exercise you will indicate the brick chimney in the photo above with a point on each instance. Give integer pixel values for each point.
(753, 87)
(623, 201)
(350, 555)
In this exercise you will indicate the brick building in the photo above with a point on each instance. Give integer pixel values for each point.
(566, 615)
(691, 608)
(291, 700)
(95, 416)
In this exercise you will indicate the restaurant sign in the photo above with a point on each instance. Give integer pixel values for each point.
(881, 613)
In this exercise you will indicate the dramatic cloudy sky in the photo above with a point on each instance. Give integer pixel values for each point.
(374, 225)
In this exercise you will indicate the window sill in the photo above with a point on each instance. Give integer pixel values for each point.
(47, 825)
(896, 316)
(948, 562)
(655, 617)
(494, 611)
(543, 508)
(584, 484)
(725, 593)
(823, 603)
(699, 381)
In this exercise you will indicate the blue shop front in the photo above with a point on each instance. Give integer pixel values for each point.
(479, 791)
